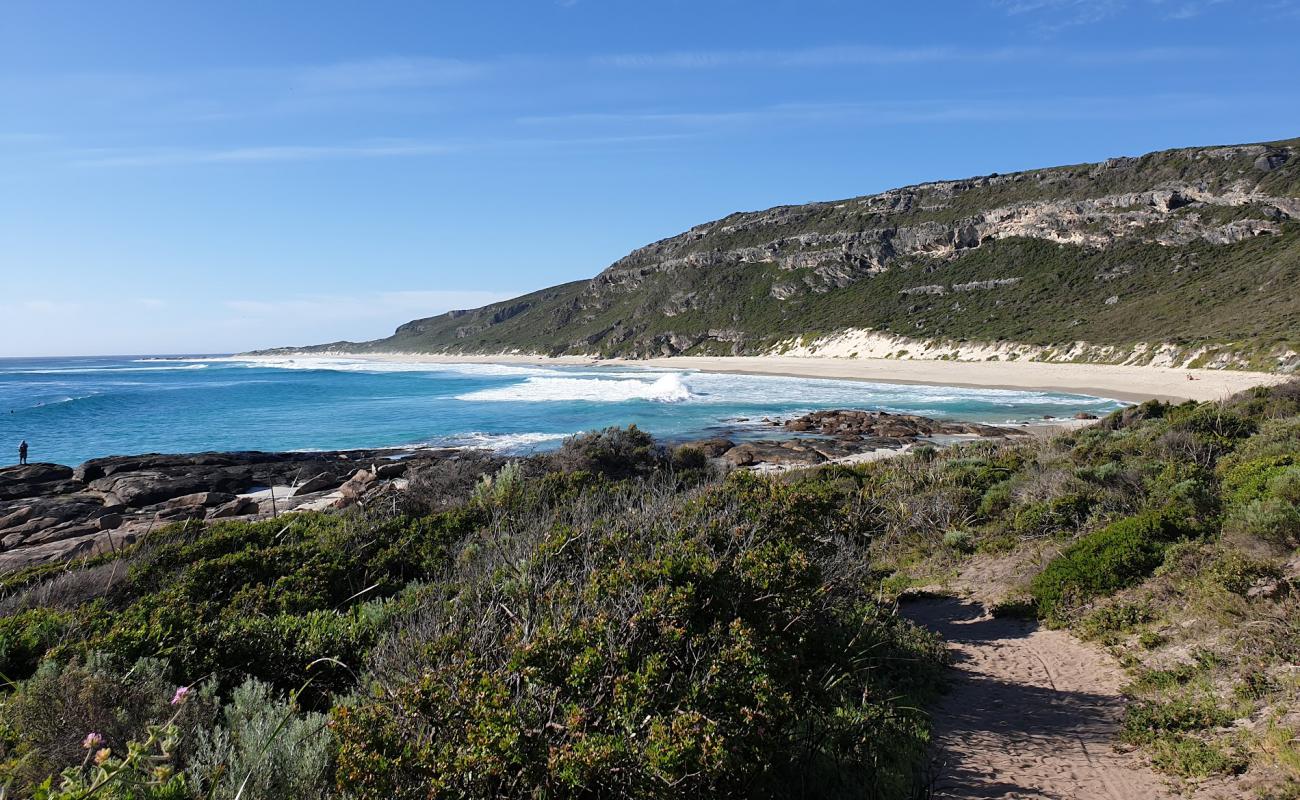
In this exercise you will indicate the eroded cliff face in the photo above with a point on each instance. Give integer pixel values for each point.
(855, 239)
(1200, 243)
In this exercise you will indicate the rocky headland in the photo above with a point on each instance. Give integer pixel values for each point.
(1180, 258)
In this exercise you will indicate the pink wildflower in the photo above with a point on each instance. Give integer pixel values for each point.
(179, 697)
(92, 741)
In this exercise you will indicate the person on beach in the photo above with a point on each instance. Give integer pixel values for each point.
(22, 452)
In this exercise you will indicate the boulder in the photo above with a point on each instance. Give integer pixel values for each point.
(1271, 161)
(712, 448)
(751, 453)
(108, 522)
(389, 470)
(353, 488)
(1085, 415)
(201, 499)
(318, 483)
(139, 489)
(234, 508)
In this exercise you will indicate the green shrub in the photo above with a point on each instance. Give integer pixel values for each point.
(26, 637)
(1190, 757)
(614, 452)
(1115, 618)
(1237, 572)
(1273, 521)
(1247, 481)
(1048, 516)
(1191, 710)
(995, 500)
(689, 458)
(1286, 485)
(719, 645)
(1212, 420)
(500, 488)
(265, 747)
(960, 540)
(1113, 558)
(1134, 415)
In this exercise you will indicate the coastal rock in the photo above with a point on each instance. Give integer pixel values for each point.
(712, 448)
(780, 453)
(145, 488)
(36, 480)
(235, 508)
(1271, 161)
(198, 499)
(89, 544)
(20, 520)
(389, 470)
(44, 505)
(881, 424)
(318, 483)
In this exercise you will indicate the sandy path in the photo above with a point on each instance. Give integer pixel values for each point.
(1030, 712)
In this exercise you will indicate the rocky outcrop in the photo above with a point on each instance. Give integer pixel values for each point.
(858, 425)
(839, 435)
(34, 480)
(50, 512)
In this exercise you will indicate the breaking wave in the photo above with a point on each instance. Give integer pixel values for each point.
(666, 389)
(502, 442)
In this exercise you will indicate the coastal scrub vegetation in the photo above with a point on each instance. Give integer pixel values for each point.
(621, 619)
(611, 620)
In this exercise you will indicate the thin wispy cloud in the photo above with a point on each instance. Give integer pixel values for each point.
(919, 113)
(364, 150)
(888, 56)
(252, 155)
(240, 92)
(1055, 15)
(384, 74)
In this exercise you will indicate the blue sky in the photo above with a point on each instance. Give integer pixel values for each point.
(189, 176)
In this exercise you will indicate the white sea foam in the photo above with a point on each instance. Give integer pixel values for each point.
(667, 388)
(501, 442)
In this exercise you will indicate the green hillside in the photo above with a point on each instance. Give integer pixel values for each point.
(1199, 248)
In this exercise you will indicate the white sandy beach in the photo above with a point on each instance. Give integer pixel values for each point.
(1128, 383)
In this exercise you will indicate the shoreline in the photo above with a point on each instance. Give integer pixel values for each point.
(1115, 382)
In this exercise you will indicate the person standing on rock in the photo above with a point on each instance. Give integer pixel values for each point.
(22, 452)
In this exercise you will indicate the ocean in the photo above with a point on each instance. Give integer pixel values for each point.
(73, 409)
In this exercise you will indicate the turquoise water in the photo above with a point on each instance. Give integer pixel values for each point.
(72, 409)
